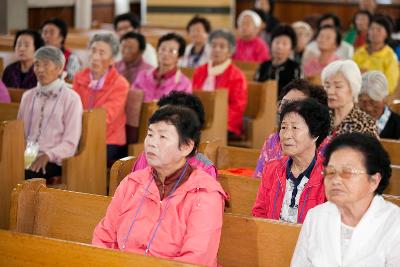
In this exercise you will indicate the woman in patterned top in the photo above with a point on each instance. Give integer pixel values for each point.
(342, 83)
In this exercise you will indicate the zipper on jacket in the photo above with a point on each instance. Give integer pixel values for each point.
(276, 195)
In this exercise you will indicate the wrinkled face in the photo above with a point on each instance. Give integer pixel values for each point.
(100, 57)
(346, 181)
(24, 47)
(295, 136)
(161, 145)
(362, 22)
(303, 37)
(247, 29)
(130, 50)
(377, 33)
(372, 107)
(326, 40)
(292, 95)
(338, 91)
(220, 51)
(123, 27)
(281, 48)
(51, 35)
(168, 53)
(198, 34)
(46, 71)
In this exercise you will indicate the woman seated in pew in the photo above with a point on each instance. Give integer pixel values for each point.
(356, 227)
(132, 47)
(280, 67)
(298, 89)
(198, 52)
(101, 86)
(167, 77)
(169, 209)
(52, 115)
(358, 34)
(54, 32)
(4, 95)
(192, 102)
(292, 185)
(342, 83)
(304, 34)
(20, 74)
(250, 47)
(221, 73)
(372, 99)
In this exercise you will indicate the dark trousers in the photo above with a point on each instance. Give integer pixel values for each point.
(114, 153)
(52, 170)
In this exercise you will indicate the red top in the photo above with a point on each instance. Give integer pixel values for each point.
(234, 80)
(67, 53)
(255, 50)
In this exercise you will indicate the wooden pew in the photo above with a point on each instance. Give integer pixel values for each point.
(248, 68)
(19, 249)
(188, 72)
(261, 110)
(393, 148)
(225, 157)
(119, 170)
(11, 164)
(8, 111)
(394, 185)
(72, 216)
(1, 66)
(16, 94)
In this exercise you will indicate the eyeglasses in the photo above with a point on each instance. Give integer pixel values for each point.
(170, 51)
(345, 173)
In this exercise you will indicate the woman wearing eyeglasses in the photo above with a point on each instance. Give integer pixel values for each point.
(293, 184)
(356, 227)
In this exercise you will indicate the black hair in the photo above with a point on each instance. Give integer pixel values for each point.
(338, 39)
(178, 98)
(37, 39)
(132, 18)
(185, 121)
(262, 15)
(137, 36)
(362, 12)
(375, 158)
(61, 25)
(203, 21)
(316, 92)
(332, 16)
(386, 23)
(314, 114)
(176, 37)
(285, 30)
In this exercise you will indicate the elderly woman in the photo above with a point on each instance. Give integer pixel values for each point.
(101, 86)
(296, 90)
(249, 46)
(167, 76)
(342, 83)
(52, 115)
(356, 227)
(198, 51)
(293, 184)
(132, 47)
(377, 54)
(372, 100)
(20, 74)
(304, 34)
(357, 36)
(220, 73)
(169, 209)
(192, 102)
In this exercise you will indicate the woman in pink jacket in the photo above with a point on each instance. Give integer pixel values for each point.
(169, 209)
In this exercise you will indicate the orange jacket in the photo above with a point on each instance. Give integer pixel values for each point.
(111, 97)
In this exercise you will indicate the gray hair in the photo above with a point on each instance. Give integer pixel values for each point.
(375, 85)
(51, 53)
(303, 25)
(109, 38)
(227, 35)
(349, 69)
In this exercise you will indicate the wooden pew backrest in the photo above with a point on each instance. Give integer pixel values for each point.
(1, 66)
(236, 157)
(119, 170)
(16, 94)
(394, 184)
(393, 148)
(8, 111)
(188, 72)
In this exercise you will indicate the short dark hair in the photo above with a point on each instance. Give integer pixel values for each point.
(37, 39)
(332, 16)
(176, 37)
(132, 18)
(362, 12)
(314, 114)
(185, 121)
(338, 39)
(203, 21)
(316, 92)
(375, 158)
(137, 36)
(61, 25)
(285, 30)
(178, 98)
(386, 23)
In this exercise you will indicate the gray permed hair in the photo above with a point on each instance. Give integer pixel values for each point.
(51, 53)
(227, 35)
(108, 38)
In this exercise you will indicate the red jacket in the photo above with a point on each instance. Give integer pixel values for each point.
(234, 80)
(112, 97)
(273, 185)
